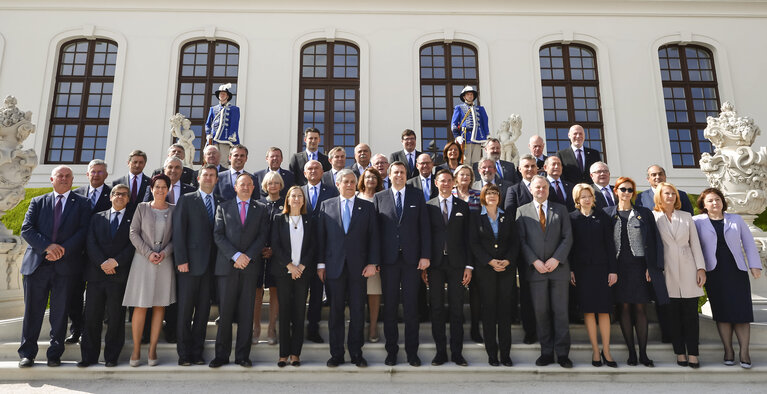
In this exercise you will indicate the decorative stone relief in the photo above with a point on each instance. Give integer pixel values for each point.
(180, 128)
(508, 134)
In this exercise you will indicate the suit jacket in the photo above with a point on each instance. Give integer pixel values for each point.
(219, 168)
(510, 173)
(411, 235)
(327, 178)
(231, 236)
(593, 242)
(355, 169)
(537, 244)
(400, 155)
(102, 203)
(516, 196)
(282, 248)
(287, 178)
(326, 192)
(354, 249)
(188, 176)
(225, 188)
(416, 183)
(599, 199)
(143, 185)
(185, 188)
(37, 230)
(570, 170)
(142, 231)
(299, 160)
(568, 202)
(101, 246)
(682, 256)
(193, 234)
(645, 199)
(738, 238)
(451, 236)
(484, 244)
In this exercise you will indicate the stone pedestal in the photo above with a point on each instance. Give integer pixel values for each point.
(11, 289)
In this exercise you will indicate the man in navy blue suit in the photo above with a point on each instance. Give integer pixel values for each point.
(274, 163)
(405, 252)
(238, 156)
(655, 175)
(55, 227)
(348, 256)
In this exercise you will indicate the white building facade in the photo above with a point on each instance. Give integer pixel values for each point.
(103, 78)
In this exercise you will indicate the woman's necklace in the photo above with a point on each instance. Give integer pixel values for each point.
(295, 223)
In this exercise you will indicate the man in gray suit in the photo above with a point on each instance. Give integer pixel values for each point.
(546, 235)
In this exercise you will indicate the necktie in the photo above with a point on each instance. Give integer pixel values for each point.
(498, 168)
(314, 197)
(114, 224)
(209, 207)
(560, 193)
(542, 217)
(445, 215)
(410, 163)
(426, 189)
(579, 158)
(93, 198)
(608, 196)
(398, 205)
(171, 197)
(134, 189)
(243, 213)
(347, 215)
(56, 217)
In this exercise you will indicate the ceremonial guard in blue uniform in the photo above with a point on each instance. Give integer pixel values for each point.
(223, 124)
(469, 125)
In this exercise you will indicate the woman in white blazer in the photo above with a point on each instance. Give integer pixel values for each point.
(684, 269)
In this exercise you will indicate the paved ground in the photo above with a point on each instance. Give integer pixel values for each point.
(113, 387)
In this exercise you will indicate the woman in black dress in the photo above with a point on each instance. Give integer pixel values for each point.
(594, 270)
(640, 267)
(730, 253)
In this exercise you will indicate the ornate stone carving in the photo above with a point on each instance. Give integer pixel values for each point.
(180, 128)
(736, 169)
(508, 134)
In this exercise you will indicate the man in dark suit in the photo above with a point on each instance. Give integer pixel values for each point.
(299, 160)
(487, 174)
(173, 168)
(337, 157)
(503, 169)
(238, 156)
(408, 155)
(136, 180)
(603, 191)
(110, 253)
(546, 238)
(577, 159)
(240, 234)
(316, 192)
(187, 174)
(561, 190)
(381, 163)
(274, 163)
(425, 166)
(97, 194)
(194, 253)
(536, 144)
(362, 157)
(213, 156)
(348, 256)
(54, 228)
(405, 249)
(449, 223)
(655, 175)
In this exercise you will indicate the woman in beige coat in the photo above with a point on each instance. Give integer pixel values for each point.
(684, 269)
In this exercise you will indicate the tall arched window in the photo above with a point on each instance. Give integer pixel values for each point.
(445, 70)
(570, 85)
(690, 93)
(82, 102)
(329, 94)
(204, 66)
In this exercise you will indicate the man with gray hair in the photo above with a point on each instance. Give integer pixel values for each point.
(536, 144)
(212, 155)
(503, 169)
(187, 174)
(603, 191)
(173, 169)
(381, 163)
(337, 157)
(488, 174)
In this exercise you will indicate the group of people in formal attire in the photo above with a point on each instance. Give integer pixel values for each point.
(535, 243)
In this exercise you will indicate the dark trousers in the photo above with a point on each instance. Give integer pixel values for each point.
(351, 286)
(526, 312)
(292, 296)
(550, 303)
(236, 296)
(498, 295)
(475, 304)
(664, 321)
(76, 306)
(438, 278)
(423, 301)
(683, 319)
(314, 313)
(37, 287)
(193, 312)
(393, 277)
(103, 297)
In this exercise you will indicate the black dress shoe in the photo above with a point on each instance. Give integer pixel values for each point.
(334, 362)
(493, 361)
(529, 339)
(184, 363)
(414, 361)
(682, 363)
(391, 359)
(647, 362)
(632, 360)
(83, 364)
(217, 362)
(72, 339)
(314, 337)
(507, 363)
(244, 363)
(565, 362)
(459, 360)
(360, 362)
(543, 361)
(110, 364)
(54, 362)
(199, 361)
(439, 359)
(26, 362)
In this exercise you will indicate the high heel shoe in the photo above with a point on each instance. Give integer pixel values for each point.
(282, 363)
(134, 363)
(609, 363)
(153, 362)
(682, 363)
(647, 362)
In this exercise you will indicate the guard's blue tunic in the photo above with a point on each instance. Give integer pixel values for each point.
(223, 124)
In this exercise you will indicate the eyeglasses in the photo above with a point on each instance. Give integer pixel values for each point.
(626, 189)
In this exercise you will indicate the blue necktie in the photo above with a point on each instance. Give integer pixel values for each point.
(426, 189)
(410, 164)
(398, 205)
(347, 216)
(608, 196)
(209, 207)
(314, 197)
(498, 168)
(93, 198)
(115, 224)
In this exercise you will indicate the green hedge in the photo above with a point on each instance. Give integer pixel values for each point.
(14, 218)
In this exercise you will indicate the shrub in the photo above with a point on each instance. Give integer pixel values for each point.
(14, 218)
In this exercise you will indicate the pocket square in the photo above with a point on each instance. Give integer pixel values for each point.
(458, 214)
(412, 206)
